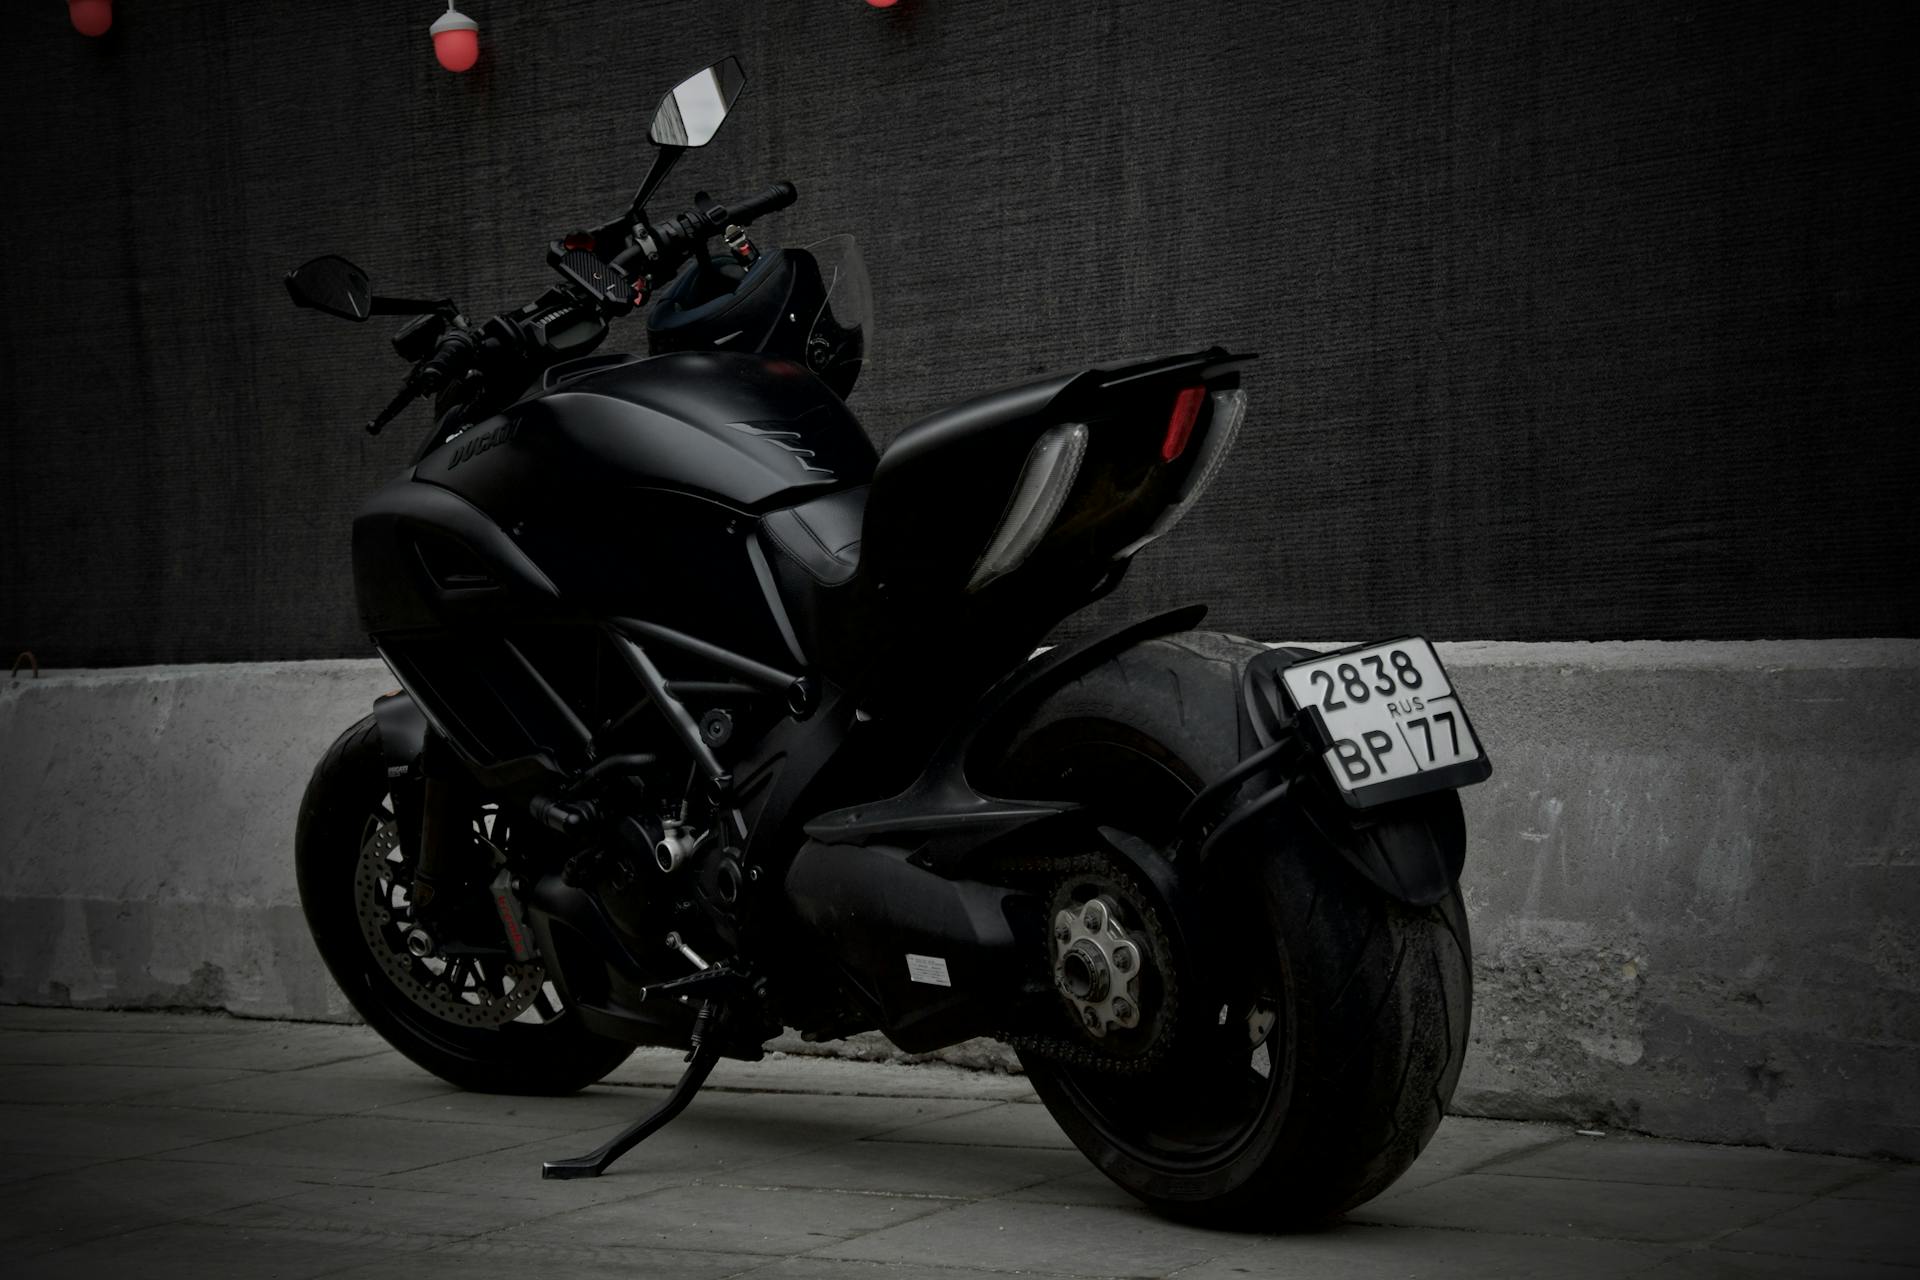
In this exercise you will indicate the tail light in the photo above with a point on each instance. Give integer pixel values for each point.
(1229, 410)
(1186, 412)
(1049, 473)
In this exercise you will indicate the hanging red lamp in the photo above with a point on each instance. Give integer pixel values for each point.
(456, 40)
(90, 17)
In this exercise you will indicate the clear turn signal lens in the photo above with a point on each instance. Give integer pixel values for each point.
(1048, 475)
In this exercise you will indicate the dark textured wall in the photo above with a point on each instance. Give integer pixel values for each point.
(1577, 320)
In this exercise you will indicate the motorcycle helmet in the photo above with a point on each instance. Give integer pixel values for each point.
(776, 307)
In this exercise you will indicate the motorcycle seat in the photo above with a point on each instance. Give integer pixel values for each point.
(861, 566)
(821, 537)
(920, 506)
(813, 550)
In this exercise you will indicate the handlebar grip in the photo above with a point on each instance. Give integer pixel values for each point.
(449, 360)
(774, 198)
(671, 242)
(630, 257)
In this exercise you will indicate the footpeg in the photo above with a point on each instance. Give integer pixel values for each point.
(715, 981)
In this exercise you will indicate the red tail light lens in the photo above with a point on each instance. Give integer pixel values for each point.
(1186, 412)
(1229, 411)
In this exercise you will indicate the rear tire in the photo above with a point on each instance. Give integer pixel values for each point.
(345, 804)
(1371, 998)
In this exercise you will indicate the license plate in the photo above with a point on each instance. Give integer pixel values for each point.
(1389, 722)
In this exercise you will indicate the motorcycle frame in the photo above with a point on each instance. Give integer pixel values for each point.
(940, 814)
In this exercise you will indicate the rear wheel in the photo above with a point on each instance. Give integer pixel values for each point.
(1310, 1057)
(459, 1004)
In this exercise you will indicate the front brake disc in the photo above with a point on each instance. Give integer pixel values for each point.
(471, 991)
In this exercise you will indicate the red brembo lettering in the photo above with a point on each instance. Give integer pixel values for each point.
(514, 937)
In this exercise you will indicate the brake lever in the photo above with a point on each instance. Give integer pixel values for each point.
(408, 391)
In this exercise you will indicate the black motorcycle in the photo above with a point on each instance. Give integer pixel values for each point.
(716, 721)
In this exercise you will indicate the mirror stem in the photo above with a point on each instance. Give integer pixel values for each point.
(663, 161)
(379, 306)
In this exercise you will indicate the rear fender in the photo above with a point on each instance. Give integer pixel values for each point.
(940, 814)
(1412, 850)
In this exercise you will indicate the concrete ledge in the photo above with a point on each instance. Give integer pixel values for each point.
(1693, 881)
(146, 834)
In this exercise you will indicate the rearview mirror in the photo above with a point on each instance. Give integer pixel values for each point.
(691, 114)
(333, 285)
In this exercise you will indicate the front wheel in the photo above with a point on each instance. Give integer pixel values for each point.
(459, 1005)
(1309, 1064)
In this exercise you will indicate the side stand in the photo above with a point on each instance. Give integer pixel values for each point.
(699, 1064)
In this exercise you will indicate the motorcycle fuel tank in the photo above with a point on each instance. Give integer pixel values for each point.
(743, 430)
(630, 491)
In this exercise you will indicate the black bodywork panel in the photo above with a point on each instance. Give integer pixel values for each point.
(941, 814)
(637, 490)
(877, 882)
(936, 497)
(745, 431)
(403, 732)
(937, 493)
(625, 492)
(938, 960)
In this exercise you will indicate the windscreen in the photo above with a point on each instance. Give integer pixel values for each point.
(840, 343)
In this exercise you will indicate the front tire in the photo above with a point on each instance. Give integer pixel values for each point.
(346, 811)
(1310, 1078)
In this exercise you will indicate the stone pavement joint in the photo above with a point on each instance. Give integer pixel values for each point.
(189, 1145)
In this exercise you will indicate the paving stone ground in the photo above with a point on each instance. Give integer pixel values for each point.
(160, 1145)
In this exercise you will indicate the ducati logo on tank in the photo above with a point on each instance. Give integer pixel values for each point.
(483, 442)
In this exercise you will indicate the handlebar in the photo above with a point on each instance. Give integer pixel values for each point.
(451, 358)
(775, 198)
(663, 246)
(455, 353)
(654, 250)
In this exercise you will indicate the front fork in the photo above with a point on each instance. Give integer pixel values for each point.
(446, 841)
